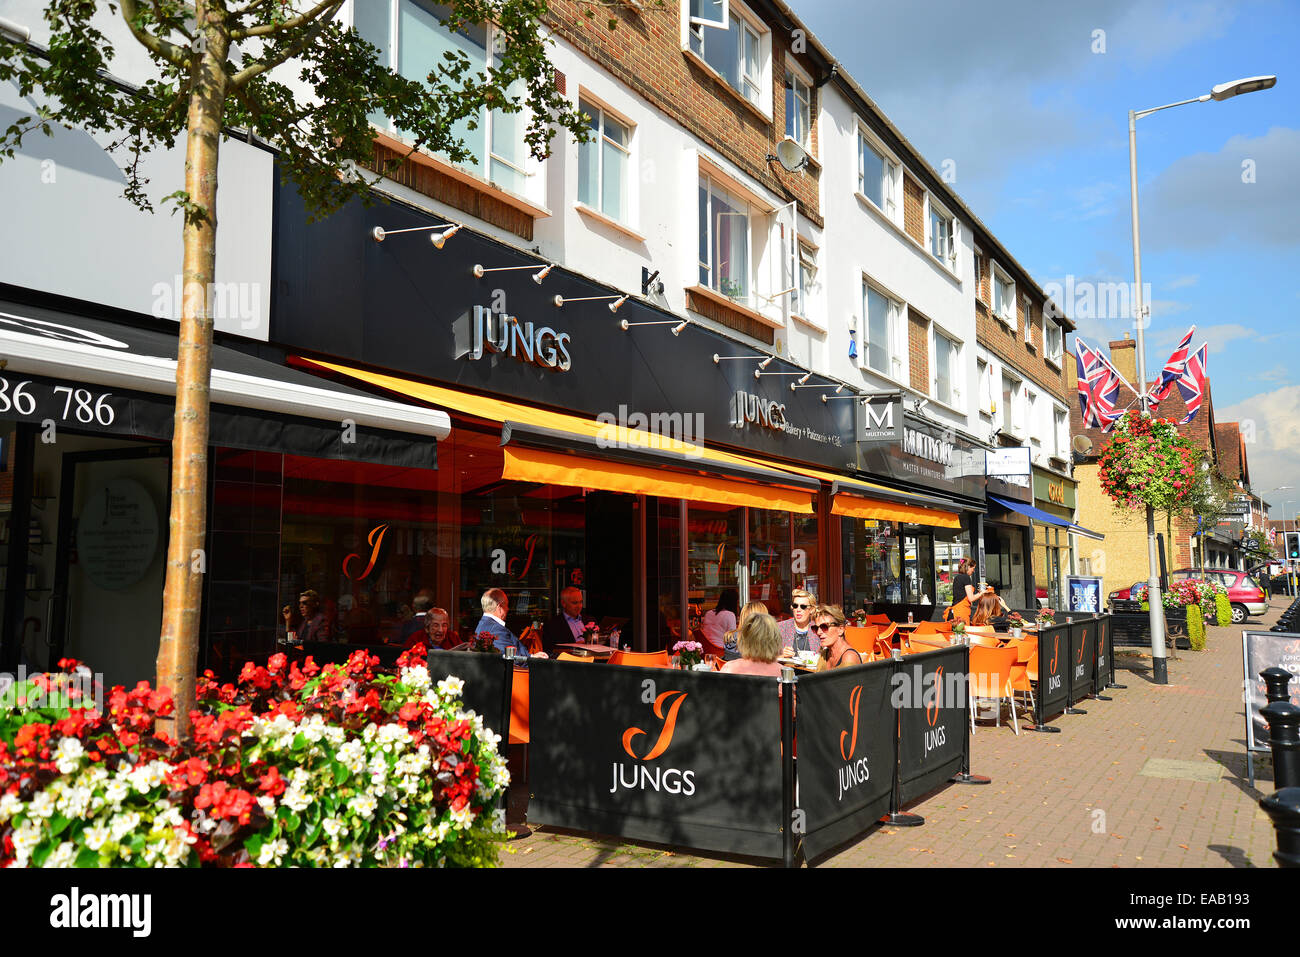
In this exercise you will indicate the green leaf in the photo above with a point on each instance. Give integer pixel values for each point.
(254, 845)
(290, 820)
(87, 858)
(340, 772)
(58, 824)
(41, 852)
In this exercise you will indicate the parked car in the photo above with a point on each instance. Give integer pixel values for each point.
(1245, 594)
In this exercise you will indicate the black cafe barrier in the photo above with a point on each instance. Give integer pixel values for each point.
(695, 759)
(844, 740)
(488, 680)
(932, 726)
(691, 759)
(1083, 650)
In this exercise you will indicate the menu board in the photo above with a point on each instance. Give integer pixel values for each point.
(117, 534)
(1261, 650)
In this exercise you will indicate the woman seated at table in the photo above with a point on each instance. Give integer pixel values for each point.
(836, 650)
(760, 643)
(731, 640)
(721, 619)
(988, 611)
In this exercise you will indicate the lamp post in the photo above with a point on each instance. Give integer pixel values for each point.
(1159, 661)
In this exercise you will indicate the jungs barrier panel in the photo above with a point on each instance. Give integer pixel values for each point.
(1083, 649)
(686, 758)
(845, 727)
(933, 728)
(488, 683)
(1052, 692)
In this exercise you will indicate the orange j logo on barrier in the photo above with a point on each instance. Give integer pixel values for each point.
(1081, 643)
(666, 734)
(855, 699)
(376, 542)
(1056, 653)
(932, 709)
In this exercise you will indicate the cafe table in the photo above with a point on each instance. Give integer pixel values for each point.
(587, 650)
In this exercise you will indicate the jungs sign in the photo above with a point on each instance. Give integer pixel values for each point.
(498, 333)
(930, 694)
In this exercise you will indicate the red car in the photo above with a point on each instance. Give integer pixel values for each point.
(1244, 592)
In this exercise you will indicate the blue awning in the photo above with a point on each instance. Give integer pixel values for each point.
(1047, 518)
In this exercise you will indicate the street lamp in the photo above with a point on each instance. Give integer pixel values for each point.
(1224, 91)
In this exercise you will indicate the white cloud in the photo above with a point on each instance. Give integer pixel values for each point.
(1270, 424)
(1182, 281)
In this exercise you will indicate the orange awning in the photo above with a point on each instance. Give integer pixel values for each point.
(855, 506)
(682, 474)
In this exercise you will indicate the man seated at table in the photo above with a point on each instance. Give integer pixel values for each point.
(796, 633)
(496, 605)
(417, 624)
(569, 625)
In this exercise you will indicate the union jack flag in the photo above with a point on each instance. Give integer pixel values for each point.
(1191, 381)
(1172, 371)
(1098, 387)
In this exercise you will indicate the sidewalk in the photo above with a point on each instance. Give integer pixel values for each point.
(1155, 777)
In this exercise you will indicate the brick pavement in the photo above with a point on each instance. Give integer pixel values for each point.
(1155, 777)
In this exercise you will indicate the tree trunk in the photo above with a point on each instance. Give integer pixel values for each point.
(186, 556)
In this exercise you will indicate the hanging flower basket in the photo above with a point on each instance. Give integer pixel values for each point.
(1146, 462)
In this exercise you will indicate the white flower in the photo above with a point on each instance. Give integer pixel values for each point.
(451, 686)
(332, 827)
(272, 852)
(75, 801)
(68, 755)
(334, 734)
(116, 791)
(170, 817)
(353, 756)
(25, 840)
(65, 855)
(9, 806)
(42, 805)
(296, 799)
(463, 818)
(146, 777)
(364, 805)
(313, 729)
(96, 835)
(123, 824)
(392, 736)
(416, 678)
(299, 778)
(267, 804)
(368, 732)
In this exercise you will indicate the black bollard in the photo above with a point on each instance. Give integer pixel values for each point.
(1276, 681)
(1283, 807)
(1284, 738)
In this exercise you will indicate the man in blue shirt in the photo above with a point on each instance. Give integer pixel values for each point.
(496, 605)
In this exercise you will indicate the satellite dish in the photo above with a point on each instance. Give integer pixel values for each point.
(791, 155)
(1082, 444)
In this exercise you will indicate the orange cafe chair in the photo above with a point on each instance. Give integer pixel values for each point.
(933, 628)
(990, 680)
(881, 620)
(861, 639)
(565, 656)
(640, 659)
(519, 707)
(1025, 668)
(958, 612)
(532, 640)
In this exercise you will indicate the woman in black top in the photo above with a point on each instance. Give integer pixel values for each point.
(962, 586)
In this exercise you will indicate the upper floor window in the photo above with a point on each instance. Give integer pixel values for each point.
(947, 369)
(603, 163)
(1004, 297)
(798, 110)
(878, 176)
(942, 240)
(881, 347)
(1027, 307)
(1061, 430)
(803, 272)
(724, 241)
(1012, 407)
(734, 50)
(1052, 340)
(414, 42)
(984, 372)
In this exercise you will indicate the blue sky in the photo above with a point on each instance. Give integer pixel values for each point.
(1034, 115)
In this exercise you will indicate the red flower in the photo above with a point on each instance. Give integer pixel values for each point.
(271, 782)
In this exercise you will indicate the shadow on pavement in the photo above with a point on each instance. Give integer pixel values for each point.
(1235, 856)
(1234, 762)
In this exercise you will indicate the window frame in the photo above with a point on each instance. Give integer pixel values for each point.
(1052, 354)
(1029, 319)
(892, 173)
(956, 366)
(1061, 432)
(896, 319)
(996, 283)
(795, 74)
(803, 253)
(737, 201)
(693, 32)
(985, 378)
(933, 209)
(483, 169)
(628, 193)
(1013, 419)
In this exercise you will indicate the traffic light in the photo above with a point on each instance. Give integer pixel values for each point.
(1293, 545)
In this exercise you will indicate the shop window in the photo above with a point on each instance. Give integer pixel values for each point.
(950, 547)
(886, 563)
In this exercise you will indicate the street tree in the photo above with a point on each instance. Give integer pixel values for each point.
(290, 73)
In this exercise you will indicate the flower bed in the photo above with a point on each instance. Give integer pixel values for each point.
(341, 766)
